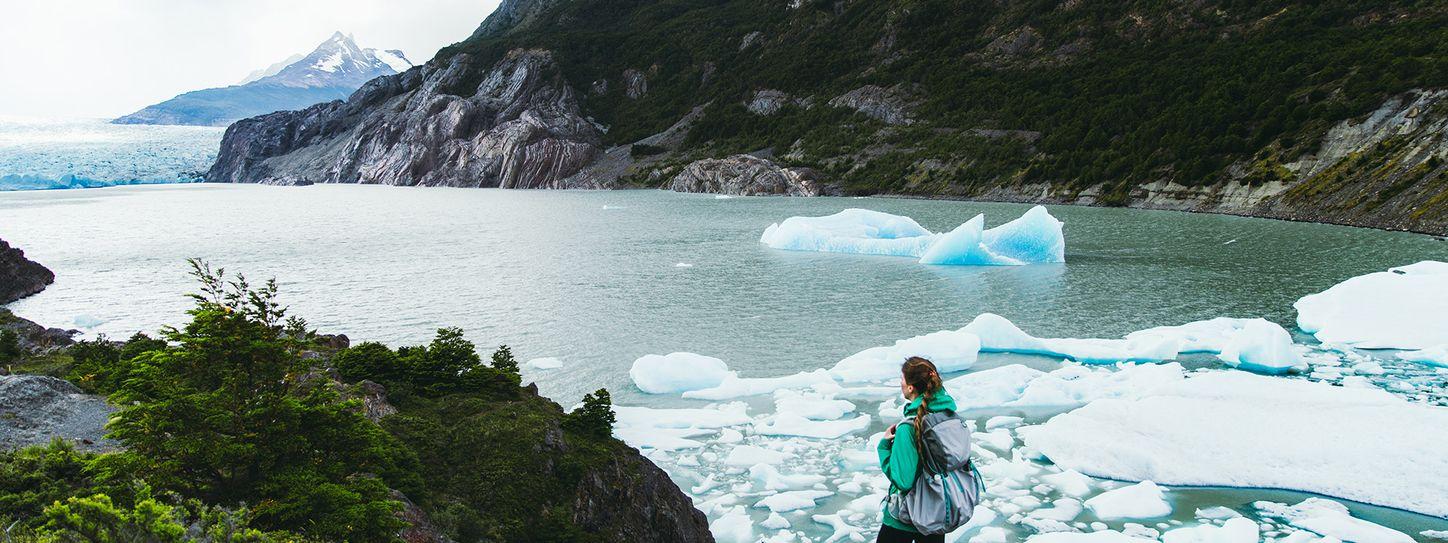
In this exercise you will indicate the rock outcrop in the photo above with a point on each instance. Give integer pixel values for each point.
(515, 124)
(33, 338)
(889, 106)
(745, 175)
(20, 276)
(34, 409)
(631, 499)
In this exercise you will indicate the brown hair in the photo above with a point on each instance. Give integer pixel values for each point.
(921, 374)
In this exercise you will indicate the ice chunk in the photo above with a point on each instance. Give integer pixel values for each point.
(1433, 356)
(842, 530)
(1035, 237)
(963, 247)
(730, 414)
(998, 334)
(792, 500)
(1251, 344)
(858, 231)
(991, 388)
(547, 363)
(744, 456)
(734, 386)
(789, 424)
(662, 439)
(1074, 385)
(1104, 536)
(1401, 308)
(677, 372)
(1263, 347)
(766, 477)
(1246, 430)
(1063, 510)
(1141, 500)
(775, 522)
(734, 527)
(950, 350)
(810, 406)
(1235, 530)
(1069, 482)
(1331, 519)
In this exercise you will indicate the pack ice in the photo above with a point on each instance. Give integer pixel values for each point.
(1034, 238)
(1245, 430)
(1402, 308)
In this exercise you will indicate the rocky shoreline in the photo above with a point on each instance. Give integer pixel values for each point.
(20, 276)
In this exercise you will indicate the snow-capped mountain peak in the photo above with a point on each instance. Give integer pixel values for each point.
(339, 61)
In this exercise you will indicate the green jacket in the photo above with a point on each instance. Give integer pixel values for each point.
(898, 457)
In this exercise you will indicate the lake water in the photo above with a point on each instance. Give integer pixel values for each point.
(598, 279)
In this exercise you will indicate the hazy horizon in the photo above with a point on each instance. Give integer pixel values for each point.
(106, 58)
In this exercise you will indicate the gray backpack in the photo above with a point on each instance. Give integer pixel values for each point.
(947, 487)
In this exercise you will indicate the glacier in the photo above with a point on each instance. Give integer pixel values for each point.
(44, 154)
(1401, 308)
(1034, 238)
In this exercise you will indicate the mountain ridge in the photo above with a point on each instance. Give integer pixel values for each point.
(331, 71)
(1218, 106)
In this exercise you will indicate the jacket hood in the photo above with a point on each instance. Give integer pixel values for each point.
(940, 402)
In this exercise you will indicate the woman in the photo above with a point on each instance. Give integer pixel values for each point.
(900, 450)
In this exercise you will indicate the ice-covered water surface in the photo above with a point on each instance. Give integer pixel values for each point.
(586, 283)
(88, 153)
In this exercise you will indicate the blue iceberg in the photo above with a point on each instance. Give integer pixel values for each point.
(1034, 238)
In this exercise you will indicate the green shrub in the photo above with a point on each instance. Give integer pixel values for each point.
(595, 417)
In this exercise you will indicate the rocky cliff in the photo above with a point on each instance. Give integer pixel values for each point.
(464, 122)
(745, 175)
(20, 276)
(1323, 111)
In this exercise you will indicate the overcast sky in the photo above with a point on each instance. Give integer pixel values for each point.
(106, 58)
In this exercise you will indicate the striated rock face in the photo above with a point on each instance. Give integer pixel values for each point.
(20, 276)
(631, 499)
(515, 124)
(35, 409)
(746, 175)
(889, 106)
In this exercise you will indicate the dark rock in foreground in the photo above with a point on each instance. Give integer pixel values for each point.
(34, 409)
(20, 276)
(745, 175)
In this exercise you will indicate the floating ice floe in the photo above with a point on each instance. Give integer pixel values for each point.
(1433, 356)
(677, 372)
(547, 363)
(734, 527)
(998, 334)
(1234, 530)
(1034, 238)
(950, 350)
(1069, 386)
(1401, 308)
(792, 500)
(790, 424)
(1244, 430)
(1252, 344)
(1331, 519)
(733, 386)
(1104, 536)
(1141, 500)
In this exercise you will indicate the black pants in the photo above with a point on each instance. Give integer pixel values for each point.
(894, 535)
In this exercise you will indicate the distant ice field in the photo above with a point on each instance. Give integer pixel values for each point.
(37, 154)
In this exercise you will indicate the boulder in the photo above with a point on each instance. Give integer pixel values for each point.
(34, 409)
(745, 175)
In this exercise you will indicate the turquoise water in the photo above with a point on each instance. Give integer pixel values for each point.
(598, 279)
